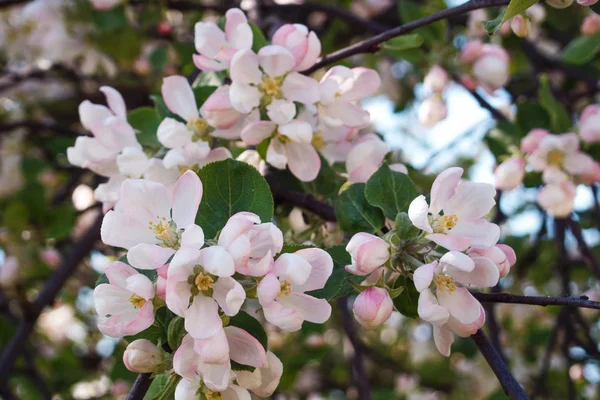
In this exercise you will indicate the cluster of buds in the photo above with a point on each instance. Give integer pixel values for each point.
(560, 161)
(195, 281)
(488, 64)
(433, 109)
(453, 248)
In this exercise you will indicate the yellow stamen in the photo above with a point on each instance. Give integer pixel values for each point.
(200, 128)
(445, 223)
(271, 87)
(286, 288)
(164, 231)
(318, 141)
(203, 282)
(444, 282)
(137, 301)
(210, 395)
(556, 157)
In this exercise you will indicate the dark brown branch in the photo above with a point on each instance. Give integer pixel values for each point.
(510, 385)
(582, 301)
(373, 44)
(586, 252)
(140, 387)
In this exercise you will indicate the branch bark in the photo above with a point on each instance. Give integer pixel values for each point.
(140, 387)
(543, 301)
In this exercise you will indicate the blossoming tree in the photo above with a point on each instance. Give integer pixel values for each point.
(196, 203)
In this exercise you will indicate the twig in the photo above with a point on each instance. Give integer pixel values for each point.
(373, 44)
(510, 385)
(492, 323)
(543, 301)
(358, 369)
(586, 253)
(140, 387)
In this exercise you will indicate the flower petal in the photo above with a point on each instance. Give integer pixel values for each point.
(149, 256)
(418, 212)
(303, 160)
(179, 97)
(244, 348)
(187, 195)
(202, 318)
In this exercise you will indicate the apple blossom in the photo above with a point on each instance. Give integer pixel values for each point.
(532, 140)
(590, 176)
(264, 380)
(558, 199)
(125, 303)
(281, 291)
(305, 46)
(471, 51)
(251, 244)
(558, 156)
(368, 253)
(152, 223)
(436, 79)
(258, 79)
(142, 356)
(502, 255)
(432, 110)
(591, 25)
(491, 67)
(366, 157)
(216, 47)
(464, 205)
(589, 129)
(340, 89)
(373, 307)
(510, 173)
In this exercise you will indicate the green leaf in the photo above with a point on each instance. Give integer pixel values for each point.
(531, 115)
(340, 282)
(110, 20)
(390, 190)
(406, 302)
(595, 8)
(202, 93)
(404, 42)
(15, 217)
(410, 10)
(515, 7)
(492, 26)
(176, 332)
(560, 121)
(245, 321)
(230, 187)
(162, 387)
(158, 58)
(129, 44)
(145, 121)
(60, 221)
(154, 334)
(161, 108)
(354, 213)
(258, 39)
(581, 50)
(405, 230)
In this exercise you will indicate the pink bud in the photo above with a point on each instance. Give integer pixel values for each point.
(142, 356)
(436, 79)
(305, 46)
(558, 199)
(504, 29)
(468, 82)
(509, 174)
(532, 140)
(510, 254)
(9, 272)
(218, 111)
(432, 110)
(536, 13)
(373, 307)
(587, 2)
(491, 69)
(521, 26)
(471, 51)
(559, 3)
(589, 124)
(161, 281)
(51, 257)
(105, 4)
(368, 253)
(591, 25)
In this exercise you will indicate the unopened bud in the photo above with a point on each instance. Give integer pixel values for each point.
(373, 307)
(521, 26)
(142, 356)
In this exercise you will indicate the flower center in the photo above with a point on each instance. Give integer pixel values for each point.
(556, 157)
(165, 231)
(318, 142)
(444, 282)
(137, 301)
(286, 288)
(203, 282)
(200, 128)
(271, 86)
(204, 393)
(282, 138)
(445, 223)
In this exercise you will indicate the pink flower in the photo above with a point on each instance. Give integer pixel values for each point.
(105, 4)
(591, 176)
(368, 253)
(340, 89)
(509, 174)
(586, 2)
(152, 223)
(453, 309)
(305, 46)
(366, 157)
(125, 303)
(432, 110)
(198, 283)
(291, 141)
(111, 134)
(142, 356)
(161, 281)
(373, 307)
(267, 76)
(558, 156)
(532, 140)
(51, 256)
(251, 244)
(520, 25)
(436, 79)
(491, 67)
(558, 199)
(281, 292)
(216, 47)
(502, 255)
(464, 205)
(589, 124)
(264, 380)
(591, 25)
(471, 51)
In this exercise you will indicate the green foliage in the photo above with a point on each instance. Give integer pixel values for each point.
(581, 50)
(245, 321)
(531, 115)
(202, 93)
(327, 183)
(514, 8)
(405, 230)
(354, 213)
(403, 46)
(110, 20)
(338, 284)
(230, 187)
(60, 221)
(560, 121)
(391, 191)
(145, 121)
(158, 58)
(162, 387)
(258, 38)
(410, 10)
(406, 302)
(175, 332)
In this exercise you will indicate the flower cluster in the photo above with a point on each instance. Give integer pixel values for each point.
(206, 283)
(559, 159)
(455, 248)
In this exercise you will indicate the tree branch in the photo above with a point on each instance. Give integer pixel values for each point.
(510, 385)
(373, 44)
(32, 125)
(586, 253)
(543, 301)
(140, 387)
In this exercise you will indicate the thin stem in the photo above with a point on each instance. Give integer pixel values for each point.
(510, 385)
(140, 387)
(587, 254)
(543, 301)
(373, 44)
